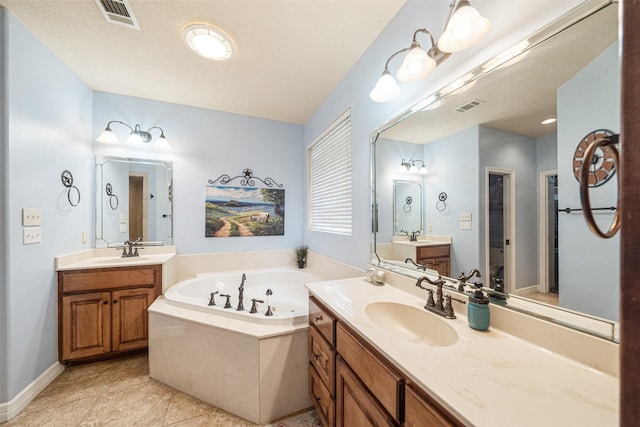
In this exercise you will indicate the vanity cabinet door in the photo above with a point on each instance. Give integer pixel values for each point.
(435, 258)
(355, 405)
(86, 325)
(322, 357)
(321, 398)
(420, 411)
(130, 318)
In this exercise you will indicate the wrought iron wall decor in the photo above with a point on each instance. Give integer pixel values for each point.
(67, 181)
(246, 179)
(113, 199)
(441, 205)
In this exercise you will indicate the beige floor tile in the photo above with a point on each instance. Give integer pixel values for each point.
(214, 419)
(68, 414)
(183, 407)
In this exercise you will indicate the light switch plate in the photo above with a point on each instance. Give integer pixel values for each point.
(31, 235)
(123, 218)
(123, 228)
(31, 216)
(465, 225)
(465, 216)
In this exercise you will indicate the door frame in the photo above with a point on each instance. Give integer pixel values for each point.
(543, 224)
(509, 220)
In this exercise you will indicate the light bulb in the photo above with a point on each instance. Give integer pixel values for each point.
(134, 138)
(108, 137)
(162, 144)
(386, 88)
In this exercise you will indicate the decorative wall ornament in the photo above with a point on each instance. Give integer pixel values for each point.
(67, 181)
(113, 199)
(441, 205)
(247, 179)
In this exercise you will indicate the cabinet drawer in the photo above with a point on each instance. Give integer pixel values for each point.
(421, 411)
(432, 251)
(321, 398)
(322, 319)
(322, 357)
(384, 383)
(109, 278)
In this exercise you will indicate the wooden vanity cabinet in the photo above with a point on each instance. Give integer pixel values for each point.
(361, 387)
(102, 312)
(435, 257)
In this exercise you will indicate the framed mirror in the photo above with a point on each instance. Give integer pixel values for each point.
(407, 208)
(133, 201)
(511, 203)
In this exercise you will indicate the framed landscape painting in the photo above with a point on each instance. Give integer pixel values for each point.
(239, 211)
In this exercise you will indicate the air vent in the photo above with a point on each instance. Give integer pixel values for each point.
(468, 106)
(118, 12)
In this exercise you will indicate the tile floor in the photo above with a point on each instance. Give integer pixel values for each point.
(119, 392)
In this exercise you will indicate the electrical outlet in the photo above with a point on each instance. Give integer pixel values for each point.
(465, 216)
(84, 237)
(123, 228)
(31, 235)
(465, 225)
(429, 228)
(31, 216)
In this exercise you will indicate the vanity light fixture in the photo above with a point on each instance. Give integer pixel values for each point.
(207, 41)
(410, 166)
(464, 28)
(137, 136)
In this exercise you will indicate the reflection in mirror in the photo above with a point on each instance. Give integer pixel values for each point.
(509, 179)
(133, 200)
(407, 211)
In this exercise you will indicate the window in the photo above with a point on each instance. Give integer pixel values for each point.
(329, 166)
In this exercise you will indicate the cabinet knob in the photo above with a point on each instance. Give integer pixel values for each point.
(115, 301)
(105, 302)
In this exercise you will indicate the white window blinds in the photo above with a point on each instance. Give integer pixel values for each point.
(329, 166)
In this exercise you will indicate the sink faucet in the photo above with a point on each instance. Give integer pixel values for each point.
(414, 236)
(419, 266)
(438, 306)
(463, 279)
(241, 292)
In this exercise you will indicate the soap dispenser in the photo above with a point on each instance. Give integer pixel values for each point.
(478, 313)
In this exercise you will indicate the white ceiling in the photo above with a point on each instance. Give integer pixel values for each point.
(290, 56)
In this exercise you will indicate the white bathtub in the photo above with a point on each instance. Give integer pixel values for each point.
(289, 299)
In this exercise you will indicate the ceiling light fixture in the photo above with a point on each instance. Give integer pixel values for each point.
(137, 136)
(464, 28)
(207, 41)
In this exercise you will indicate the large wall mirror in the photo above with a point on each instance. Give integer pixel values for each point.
(501, 185)
(133, 201)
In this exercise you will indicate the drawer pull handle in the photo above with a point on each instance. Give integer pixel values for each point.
(316, 356)
(318, 318)
(115, 301)
(105, 302)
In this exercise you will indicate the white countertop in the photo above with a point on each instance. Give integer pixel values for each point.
(81, 263)
(486, 378)
(422, 240)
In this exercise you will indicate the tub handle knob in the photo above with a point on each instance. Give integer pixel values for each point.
(254, 305)
(228, 303)
(212, 301)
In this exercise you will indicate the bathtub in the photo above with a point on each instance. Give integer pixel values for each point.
(251, 365)
(288, 299)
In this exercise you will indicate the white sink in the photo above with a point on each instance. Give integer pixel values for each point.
(412, 323)
(119, 260)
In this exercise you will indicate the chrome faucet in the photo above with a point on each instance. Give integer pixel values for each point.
(463, 279)
(241, 293)
(420, 266)
(438, 306)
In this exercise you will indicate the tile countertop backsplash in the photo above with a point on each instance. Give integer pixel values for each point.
(486, 378)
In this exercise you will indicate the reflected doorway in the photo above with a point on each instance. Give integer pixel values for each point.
(548, 236)
(499, 239)
(138, 182)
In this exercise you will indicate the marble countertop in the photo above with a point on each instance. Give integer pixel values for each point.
(486, 378)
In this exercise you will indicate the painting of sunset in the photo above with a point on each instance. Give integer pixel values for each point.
(239, 211)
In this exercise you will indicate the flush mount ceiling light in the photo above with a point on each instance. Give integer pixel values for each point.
(464, 28)
(207, 41)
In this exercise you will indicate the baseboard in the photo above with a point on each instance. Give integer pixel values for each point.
(11, 409)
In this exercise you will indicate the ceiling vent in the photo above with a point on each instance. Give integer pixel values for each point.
(118, 12)
(468, 106)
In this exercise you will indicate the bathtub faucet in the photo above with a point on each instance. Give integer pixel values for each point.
(241, 292)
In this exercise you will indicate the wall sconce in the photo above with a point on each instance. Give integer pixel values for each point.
(137, 136)
(464, 27)
(410, 166)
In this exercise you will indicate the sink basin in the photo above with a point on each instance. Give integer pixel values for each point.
(414, 324)
(120, 260)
